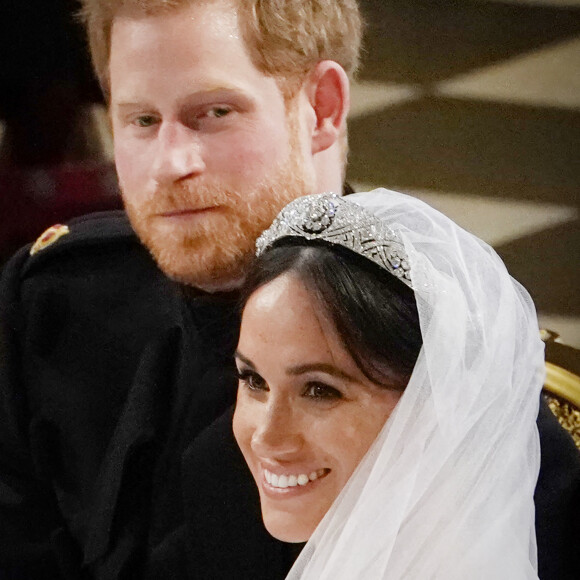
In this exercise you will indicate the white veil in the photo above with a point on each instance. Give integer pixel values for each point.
(446, 490)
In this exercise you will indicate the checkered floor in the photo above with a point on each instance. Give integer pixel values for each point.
(474, 106)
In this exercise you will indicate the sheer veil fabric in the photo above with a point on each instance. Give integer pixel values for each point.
(446, 490)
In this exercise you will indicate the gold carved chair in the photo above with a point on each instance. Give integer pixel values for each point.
(562, 385)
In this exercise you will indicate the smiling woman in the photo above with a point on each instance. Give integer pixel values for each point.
(312, 398)
(306, 414)
(389, 379)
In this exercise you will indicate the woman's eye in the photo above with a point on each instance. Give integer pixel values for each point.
(321, 391)
(252, 380)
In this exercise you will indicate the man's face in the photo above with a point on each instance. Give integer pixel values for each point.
(205, 150)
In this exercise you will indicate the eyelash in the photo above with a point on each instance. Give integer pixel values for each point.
(149, 121)
(328, 393)
(325, 392)
(219, 112)
(248, 377)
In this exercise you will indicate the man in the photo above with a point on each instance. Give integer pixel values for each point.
(222, 111)
(208, 146)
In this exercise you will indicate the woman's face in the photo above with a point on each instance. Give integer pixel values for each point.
(305, 413)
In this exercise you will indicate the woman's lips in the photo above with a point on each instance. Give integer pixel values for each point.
(291, 483)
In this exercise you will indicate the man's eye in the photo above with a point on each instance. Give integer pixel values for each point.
(322, 392)
(219, 112)
(146, 121)
(252, 380)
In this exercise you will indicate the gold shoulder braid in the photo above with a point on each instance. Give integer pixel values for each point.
(51, 235)
(568, 416)
(562, 393)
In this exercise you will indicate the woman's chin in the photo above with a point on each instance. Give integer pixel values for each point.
(289, 532)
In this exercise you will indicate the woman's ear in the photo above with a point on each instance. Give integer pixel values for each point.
(329, 95)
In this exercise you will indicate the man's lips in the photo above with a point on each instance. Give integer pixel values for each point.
(184, 213)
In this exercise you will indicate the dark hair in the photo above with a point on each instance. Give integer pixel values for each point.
(374, 313)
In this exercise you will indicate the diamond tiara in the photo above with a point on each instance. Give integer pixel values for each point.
(330, 218)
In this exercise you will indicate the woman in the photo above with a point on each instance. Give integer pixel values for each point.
(390, 372)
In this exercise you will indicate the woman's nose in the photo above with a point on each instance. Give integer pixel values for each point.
(278, 433)
(178, 153)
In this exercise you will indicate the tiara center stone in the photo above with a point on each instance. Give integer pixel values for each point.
(319, 216)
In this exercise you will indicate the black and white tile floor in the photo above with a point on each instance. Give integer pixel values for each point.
(474, 106)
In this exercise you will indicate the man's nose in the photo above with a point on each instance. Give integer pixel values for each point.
(278, 433)
(178, 154)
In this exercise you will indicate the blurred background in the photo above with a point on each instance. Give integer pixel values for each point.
(471, 105)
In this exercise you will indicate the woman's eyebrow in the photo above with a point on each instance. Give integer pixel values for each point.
(244, 359)
(304, 368)
(322, 367)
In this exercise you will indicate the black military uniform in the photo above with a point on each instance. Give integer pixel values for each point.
(108, 372)
(108, 369)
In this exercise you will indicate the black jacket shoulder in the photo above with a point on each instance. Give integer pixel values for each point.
(107, 231)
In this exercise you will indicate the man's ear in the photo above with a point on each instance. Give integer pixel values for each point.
(329, 96)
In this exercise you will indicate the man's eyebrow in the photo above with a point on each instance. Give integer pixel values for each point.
(122, 105)
(206, 93)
